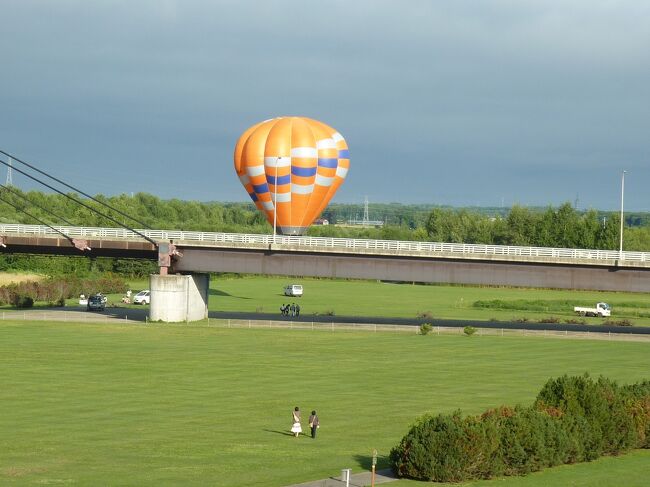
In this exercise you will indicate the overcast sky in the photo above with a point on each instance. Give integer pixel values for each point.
(442, 102)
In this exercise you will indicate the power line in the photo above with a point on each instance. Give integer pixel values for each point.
(80, 244)
(25, 198)
(144, 225)
(82, 203)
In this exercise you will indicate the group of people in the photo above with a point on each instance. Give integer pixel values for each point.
(296, 427)
(127, 298)
(292, 309)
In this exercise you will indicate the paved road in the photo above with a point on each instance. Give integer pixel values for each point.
(509, 325)
(140, 314)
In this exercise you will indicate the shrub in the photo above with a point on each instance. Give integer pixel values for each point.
(469, 330)
(53, 290)
(618, 323)
(59, 303)
(425, 328)
(446, 448)
(637, 397)
(573, 419)
(424, 315)
(549, 319)
(22, 301)
(601, 404)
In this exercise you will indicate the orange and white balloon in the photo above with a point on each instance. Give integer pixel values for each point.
(291, 167)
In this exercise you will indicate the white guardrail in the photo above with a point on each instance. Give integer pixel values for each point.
(327, 242)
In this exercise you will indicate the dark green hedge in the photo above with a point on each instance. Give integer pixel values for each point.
(574, 419)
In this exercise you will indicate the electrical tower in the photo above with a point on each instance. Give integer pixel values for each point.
(9, 181)
(366, 216)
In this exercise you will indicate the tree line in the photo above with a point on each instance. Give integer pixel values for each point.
(563, 226)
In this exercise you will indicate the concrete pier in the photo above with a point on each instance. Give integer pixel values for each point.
(178, 298)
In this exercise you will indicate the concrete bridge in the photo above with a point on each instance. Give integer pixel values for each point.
(433, 262)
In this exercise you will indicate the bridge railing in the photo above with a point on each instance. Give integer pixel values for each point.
(329, 243)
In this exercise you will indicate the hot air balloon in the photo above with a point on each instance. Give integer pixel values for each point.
(291, 167)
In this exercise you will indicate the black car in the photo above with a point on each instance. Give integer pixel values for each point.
(96, 303)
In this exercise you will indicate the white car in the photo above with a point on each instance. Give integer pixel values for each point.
(293, 290)
(143, 297)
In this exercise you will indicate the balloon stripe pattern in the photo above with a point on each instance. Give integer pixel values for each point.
(291, 167)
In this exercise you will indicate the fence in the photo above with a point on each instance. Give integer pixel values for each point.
(328, 243)
(415, 329)
(89, 317)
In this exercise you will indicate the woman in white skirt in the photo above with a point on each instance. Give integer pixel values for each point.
(296, 429)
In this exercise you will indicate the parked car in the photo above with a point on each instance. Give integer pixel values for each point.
(143, 297)
(96, 302)
(293, 290)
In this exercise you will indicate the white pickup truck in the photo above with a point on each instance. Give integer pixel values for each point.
(601, 310)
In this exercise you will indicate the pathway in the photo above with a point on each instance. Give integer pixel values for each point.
(356, 480)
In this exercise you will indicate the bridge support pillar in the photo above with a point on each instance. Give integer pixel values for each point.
(179, 298)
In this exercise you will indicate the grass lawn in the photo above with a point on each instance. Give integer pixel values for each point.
(371, 298)
(117, 404)
(630, 470)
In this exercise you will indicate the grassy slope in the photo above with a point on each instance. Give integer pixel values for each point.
(192, 405)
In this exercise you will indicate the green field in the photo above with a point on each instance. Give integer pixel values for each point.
(630, 470)
(371, 298)
(119, 404)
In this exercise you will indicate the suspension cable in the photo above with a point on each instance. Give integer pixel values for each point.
(108, 217)
(144, 225)
(70, 239)
(19, 194)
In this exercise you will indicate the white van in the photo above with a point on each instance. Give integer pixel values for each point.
(293, 290)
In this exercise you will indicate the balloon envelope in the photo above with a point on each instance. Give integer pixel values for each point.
(291, 167)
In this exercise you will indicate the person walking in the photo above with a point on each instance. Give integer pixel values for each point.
(293, 309)
(314, 424)
(297, 310)
(296, 428)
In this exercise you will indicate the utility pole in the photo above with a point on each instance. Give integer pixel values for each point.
(275, 197)
(620, 248)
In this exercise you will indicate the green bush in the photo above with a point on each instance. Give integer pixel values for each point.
(601, 403)
(425, 328)
(449, 448)
(618, 323)
(574, 419)
(637, 398)
(469, 330)
(22, 301)
(549, 319)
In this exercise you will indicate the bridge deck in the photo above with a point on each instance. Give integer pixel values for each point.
(18, 234)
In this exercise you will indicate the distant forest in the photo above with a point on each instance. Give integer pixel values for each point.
(562, 226)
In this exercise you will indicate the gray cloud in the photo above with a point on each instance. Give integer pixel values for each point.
(441, 102)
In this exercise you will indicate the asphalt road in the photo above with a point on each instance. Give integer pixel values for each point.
(141, 314)
(509, 325)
